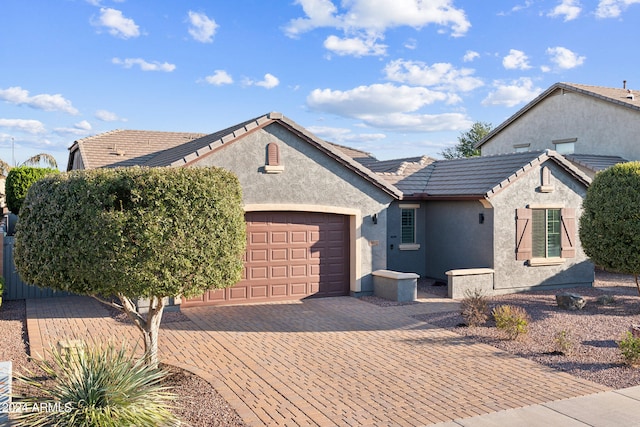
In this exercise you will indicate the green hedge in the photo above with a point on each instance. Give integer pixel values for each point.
(18, 182)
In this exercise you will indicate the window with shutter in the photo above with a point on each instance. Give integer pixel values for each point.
(545, 234)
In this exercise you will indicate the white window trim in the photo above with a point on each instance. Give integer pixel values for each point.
(537, 262)
(411, 246)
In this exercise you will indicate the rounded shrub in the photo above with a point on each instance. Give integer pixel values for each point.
(19, 181)
(610, 222)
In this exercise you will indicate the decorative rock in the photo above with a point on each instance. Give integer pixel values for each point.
(635, 330)
(606, 300)
(570, 301)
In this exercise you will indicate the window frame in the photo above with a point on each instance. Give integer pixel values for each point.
(524, 235)
(413, 245)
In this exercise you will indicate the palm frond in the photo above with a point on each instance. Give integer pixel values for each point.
(45, 158)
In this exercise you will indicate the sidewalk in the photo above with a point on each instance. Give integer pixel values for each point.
(617, 408)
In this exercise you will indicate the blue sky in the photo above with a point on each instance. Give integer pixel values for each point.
(396, 78)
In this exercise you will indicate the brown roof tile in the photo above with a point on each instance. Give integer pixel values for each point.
(127, 147)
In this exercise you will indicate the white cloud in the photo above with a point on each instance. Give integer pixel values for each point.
(564, 58)
(516, 60)
(470, 55)
(268, 82)
(341, 135)
(80, 128)
(108, 116)
(401, 122)
(354, 46)
(375, 99)
(117, 24)
(219, 78)
(441, 75)
(613, 8)
(371, 19)
(144, 65)
(411, 44)
(512, 93)
(17, 95)
(570, 9)
(22, 125)
(202, 27)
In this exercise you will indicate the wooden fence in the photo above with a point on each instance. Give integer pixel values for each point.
(15, 288)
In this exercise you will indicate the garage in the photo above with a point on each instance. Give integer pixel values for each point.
(290, 256)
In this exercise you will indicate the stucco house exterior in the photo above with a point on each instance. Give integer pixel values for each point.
(322, 217)
(514, 214)
(592, 126)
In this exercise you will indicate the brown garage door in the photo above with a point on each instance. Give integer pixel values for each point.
(290, 255)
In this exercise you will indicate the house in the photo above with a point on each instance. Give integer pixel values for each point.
(322, 217)
(316, 218)
(514, 214)
(594, 127)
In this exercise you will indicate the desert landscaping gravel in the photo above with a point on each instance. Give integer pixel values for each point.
(594, 332)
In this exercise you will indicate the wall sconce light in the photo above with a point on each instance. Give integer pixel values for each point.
(374, 218)
(481, 218)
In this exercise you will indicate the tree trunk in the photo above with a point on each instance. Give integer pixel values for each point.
(150, 327)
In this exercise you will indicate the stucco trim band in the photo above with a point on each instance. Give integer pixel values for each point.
(355, 236)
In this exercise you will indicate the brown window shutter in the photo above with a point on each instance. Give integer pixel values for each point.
(568, 233)
(523, 234)
(273, 154)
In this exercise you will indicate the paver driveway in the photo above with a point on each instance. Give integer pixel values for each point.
(332, 361)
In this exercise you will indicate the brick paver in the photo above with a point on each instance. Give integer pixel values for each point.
(326, 362)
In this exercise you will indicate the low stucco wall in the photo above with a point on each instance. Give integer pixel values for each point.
(462, 281)
(395, 285)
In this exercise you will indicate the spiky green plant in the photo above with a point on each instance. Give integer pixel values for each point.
(103, 386)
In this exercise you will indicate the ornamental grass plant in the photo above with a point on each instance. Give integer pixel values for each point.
(101, 385)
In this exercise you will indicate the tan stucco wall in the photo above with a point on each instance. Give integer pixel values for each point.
(511, 274)
(310, 181)
(600, 127)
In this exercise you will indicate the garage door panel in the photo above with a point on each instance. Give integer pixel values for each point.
(279, 272)
(279, 237)
(258, 237)
(290, 255)
(279, 290)
(278, 255)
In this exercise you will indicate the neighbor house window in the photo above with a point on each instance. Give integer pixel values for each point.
(408, 227)
(565, 146)
(545, 235)
(521, 148)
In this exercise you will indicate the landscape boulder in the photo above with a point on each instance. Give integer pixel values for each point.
(569, 301)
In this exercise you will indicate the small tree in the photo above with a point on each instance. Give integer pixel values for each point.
(467, 142)
(133, 233)
(18, 182)
(610, 222)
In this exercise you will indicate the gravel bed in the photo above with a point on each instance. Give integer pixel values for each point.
(593, 331)
(198, 403)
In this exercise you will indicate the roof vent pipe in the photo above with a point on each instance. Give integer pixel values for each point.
(629, 94)
(624, 84)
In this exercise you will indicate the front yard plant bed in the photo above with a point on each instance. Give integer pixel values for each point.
(583, 343)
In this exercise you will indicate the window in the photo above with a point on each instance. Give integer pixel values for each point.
(545, 235)
(521, 148)
(408, 227)
(408, 232)
(565, 146)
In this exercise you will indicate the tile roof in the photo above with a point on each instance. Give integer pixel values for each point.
(619, 96)
(174, 149)
(127, 147)
(475, 176)
(593, 162)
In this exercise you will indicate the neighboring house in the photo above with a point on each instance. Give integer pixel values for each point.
(594, 127)
(322, 217)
